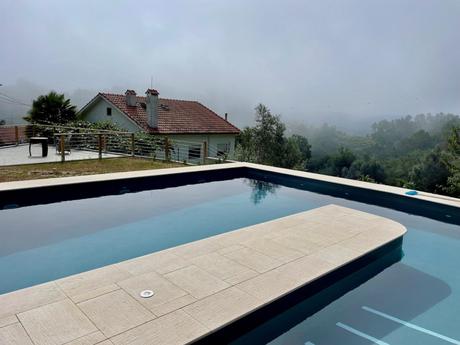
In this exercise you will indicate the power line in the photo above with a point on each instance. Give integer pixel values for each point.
(12, 100)
(6, 101)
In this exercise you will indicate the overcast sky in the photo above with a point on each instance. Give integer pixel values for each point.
(308, 60)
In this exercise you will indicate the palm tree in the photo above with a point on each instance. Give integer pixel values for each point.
(52, 108)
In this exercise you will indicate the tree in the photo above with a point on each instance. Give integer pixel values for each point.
(268, 137)
(265, 143)
(342, 161)
(52, 108)
(430, 174)
(297, 152)
(2, 122)
(366, 169)
(245, 147)
(452, 160)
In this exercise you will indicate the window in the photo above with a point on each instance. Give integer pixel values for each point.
(194, 151)
(109, 111)
(223, 149)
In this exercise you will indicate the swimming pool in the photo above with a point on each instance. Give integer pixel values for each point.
(55, 239)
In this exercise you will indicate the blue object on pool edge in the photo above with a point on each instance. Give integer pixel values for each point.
(411, 192)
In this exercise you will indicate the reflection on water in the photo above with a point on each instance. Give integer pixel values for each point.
(260, 189)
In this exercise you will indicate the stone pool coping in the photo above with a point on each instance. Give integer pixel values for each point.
(199, 287)
(430, 197)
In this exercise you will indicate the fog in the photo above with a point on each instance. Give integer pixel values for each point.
(348, 63)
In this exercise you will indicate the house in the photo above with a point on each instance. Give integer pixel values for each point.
(188, 122)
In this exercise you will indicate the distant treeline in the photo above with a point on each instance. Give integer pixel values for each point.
(420, 152)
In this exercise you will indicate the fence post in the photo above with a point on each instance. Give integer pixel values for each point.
(167, 157)
(100, 145)
(62, 147)
(132, 144)
(205, 151)
(16, 134)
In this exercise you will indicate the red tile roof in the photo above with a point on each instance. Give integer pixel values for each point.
(174, 116)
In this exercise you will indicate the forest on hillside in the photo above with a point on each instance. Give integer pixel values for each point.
(420, 152)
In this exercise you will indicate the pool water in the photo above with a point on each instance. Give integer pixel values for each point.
(45, 242)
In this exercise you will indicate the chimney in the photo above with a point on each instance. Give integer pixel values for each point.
(226, 115)
(152, 107)
(131, 98)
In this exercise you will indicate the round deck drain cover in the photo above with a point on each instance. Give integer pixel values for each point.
(146, 293)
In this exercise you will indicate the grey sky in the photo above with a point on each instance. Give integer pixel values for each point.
(311, 61)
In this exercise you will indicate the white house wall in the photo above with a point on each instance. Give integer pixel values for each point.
(98, 113)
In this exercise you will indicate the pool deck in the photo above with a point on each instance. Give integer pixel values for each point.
(199, 287)
(340, 181)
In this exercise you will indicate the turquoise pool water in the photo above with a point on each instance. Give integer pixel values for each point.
(45, 242)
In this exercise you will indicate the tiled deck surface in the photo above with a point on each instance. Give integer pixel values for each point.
(199, 287)
(15, 155)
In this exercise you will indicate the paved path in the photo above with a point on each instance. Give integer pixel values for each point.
(198, 287)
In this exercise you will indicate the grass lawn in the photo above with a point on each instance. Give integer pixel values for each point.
(77, 168)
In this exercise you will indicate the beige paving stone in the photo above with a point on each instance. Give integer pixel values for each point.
(234, 238)
(196, 281)
(221, 308)
(8, 320)
(320, 235)
(385, 228)
(94, 293)
(175, 304)
(223, 268)
(269, 285)
(352, 213)
(241, 277)
(14, 335)
(93, 283)
(299, 243)
(197, 248)
(29, 298)
(329, 234)
(253, 259)
(336, 254)
(90, 339)
(281, 224)
(56, 323)
(370, 239)
(273, 249)
(161, 262)
(307, 268)
(115, 312)
(172, 329)
(349, 225)
(229, 249)
(165, 292)
(106, 342)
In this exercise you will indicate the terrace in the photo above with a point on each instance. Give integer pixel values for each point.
(18, 155)
(72, 144)
(218, 286)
